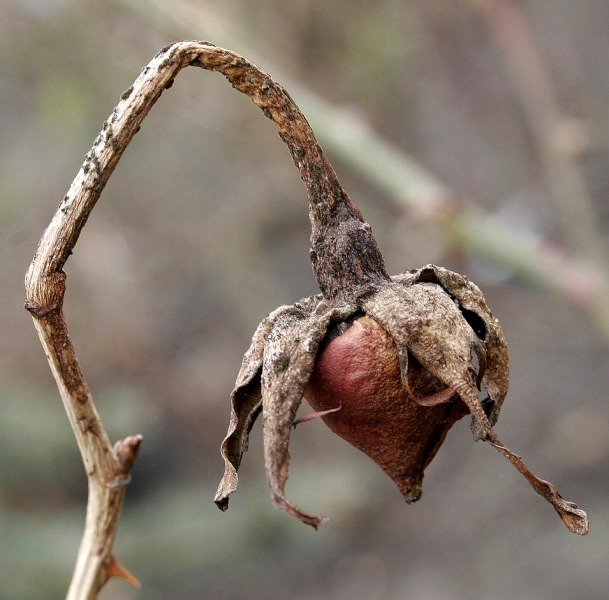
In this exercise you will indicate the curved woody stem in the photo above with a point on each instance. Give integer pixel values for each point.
(340, 237)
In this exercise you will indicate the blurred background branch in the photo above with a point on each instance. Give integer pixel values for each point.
(560, 140)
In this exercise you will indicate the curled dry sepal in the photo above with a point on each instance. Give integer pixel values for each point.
(388, 363)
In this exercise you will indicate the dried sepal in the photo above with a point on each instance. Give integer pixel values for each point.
(273, 375)
(246, 404)
(472, 305)
(423, 320)
(572, 516)
(470, 302)
(288, 361)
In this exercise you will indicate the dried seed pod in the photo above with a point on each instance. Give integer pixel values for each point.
(397, 392)
(390, 364)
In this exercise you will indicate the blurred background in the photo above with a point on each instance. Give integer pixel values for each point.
(472, 134)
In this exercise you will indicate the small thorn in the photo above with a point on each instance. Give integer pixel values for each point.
(115, 569)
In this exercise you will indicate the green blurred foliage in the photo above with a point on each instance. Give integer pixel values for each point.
(203, 230)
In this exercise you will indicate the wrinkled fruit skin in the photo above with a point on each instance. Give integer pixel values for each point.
(359, 371)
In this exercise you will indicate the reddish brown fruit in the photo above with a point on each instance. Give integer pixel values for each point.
(359, 370)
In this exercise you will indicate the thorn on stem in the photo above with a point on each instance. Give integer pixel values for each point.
(113, 568)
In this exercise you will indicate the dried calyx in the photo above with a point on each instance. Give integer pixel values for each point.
(389, 363)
